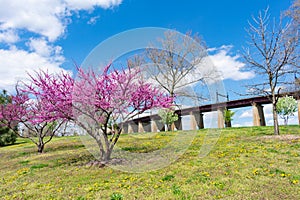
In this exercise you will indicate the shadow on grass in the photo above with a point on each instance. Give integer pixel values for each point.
(14, 144)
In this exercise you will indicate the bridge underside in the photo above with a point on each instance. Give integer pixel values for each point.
(153, 124)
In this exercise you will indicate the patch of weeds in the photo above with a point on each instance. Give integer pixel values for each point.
(38, 166)
(64, 147)
(176, 190)
(272, 150)
(22, 171)
(24, 153)
(116, 196)
(24, 162)
(168, 177)
(28, 147)
(163, 134)
(297, 146)
(81, 198)
(277, 171)
(219, 185)
(134, 149)
(203, 177)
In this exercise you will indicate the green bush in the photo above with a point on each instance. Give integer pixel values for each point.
(7, 136)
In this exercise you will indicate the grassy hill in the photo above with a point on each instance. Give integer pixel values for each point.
(245, 163)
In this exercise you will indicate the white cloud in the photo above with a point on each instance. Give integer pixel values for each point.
(41, 17)
(48, 18)
(93, 20)
(243, 124)
(45, 21)
(90, 4)
(43, 48)
(9, 36)
(228, 65)
(246, 114)
(16, 63)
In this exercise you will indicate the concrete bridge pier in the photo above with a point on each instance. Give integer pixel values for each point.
(124, 128)
(196, 120)
(221, 120)
(258, 115)
(140, 127)
(147, 126)
(133, 127)
(157, 125)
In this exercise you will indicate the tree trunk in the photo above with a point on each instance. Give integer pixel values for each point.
(275, 120)
(227, 124)
(41, 147)
(286, 119)
(105, 151)
(41, 143)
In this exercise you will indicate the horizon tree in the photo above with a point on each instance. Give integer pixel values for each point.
(228, 116)
(272, 55)
(286, 107)
(6, 135)
(168, 117)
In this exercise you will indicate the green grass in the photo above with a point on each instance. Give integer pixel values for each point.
(243, 164)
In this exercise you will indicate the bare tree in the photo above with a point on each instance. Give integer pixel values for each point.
(294, 13)
(272, 55)
(176, 63)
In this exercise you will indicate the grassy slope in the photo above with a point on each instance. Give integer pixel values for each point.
(242, 165)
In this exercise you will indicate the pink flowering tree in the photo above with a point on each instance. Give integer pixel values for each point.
(102, 102)
(97, 103)
(32, 114)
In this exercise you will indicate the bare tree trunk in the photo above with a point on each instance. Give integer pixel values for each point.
(40, 144)
(228, 124)
(275, 120)
(286, 119)
(41, 147)
(107, 155)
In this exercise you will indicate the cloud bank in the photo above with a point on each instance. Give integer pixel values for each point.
(29, 30)
(229, 65)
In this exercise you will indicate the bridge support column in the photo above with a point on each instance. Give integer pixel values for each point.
(221, 120)
(196, 120)
(147, 126)
(157, 125)
(258, 115)
(140, 127)
(125, 128)
(154, 128)
(298, 111)
(132, 127)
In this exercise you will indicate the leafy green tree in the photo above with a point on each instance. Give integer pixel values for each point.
(286, 106)
(168, 117)
(6, 135)
(228, 115)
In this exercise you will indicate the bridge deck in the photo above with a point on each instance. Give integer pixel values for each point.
(214, 107)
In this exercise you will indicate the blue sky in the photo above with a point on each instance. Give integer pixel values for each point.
(53, 34)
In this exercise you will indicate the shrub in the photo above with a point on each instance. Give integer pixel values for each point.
(7, 136)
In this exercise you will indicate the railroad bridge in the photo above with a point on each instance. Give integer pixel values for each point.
(152, 123)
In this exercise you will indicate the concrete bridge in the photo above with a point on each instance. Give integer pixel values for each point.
(152, 123)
